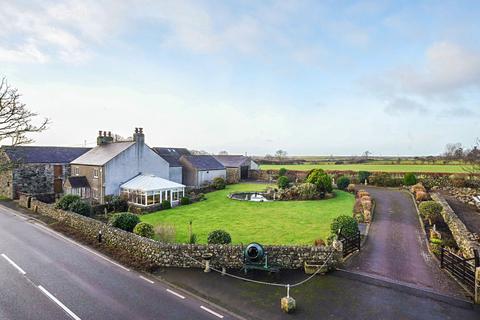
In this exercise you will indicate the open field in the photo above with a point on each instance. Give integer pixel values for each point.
(439, 168)
(285, 222)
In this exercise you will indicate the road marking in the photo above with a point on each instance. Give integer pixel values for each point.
(52, 297)
(13, 264)
(83, 247)
(212, 312)
(176, 294)
(146, 279)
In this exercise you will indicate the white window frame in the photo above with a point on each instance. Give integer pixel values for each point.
(76, 171)
(95, 172)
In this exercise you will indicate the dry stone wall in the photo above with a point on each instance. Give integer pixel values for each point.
(177, 255)
(462, 236)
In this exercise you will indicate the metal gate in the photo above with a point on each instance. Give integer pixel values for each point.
(461, 268)
(350, 243)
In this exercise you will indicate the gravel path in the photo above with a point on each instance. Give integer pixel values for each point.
(396, 248)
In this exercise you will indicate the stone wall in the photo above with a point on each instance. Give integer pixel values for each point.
(233, 175)
(175, 255)
(462, 236)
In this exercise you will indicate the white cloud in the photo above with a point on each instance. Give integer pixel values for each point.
(404, 106)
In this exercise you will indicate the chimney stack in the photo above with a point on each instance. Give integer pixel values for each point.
(103, 138)
(139, 137)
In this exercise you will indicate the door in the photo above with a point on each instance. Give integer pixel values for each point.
(57, 171)
(244, 172)
(57, 186)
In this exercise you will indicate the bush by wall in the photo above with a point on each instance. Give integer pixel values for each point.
(166, 205)
(321, 179)
(219, 237)
(430, 210)
(219, 183)
(125, 221)
(144, 229)
(343, 182)
(348, 225)
(363, 175)
(81, 207)
(66, 200)
(409, 179)
(282, 172)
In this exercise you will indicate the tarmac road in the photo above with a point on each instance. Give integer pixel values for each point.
(46, 276)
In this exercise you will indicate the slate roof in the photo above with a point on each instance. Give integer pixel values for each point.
(172, 155)
(204, 162)
(102, 154)
(233, 161)
(38, 154)
(78, 182)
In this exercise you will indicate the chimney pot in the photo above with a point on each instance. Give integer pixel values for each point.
(141, 130)
(136, 130)
(109, 133)
(99, 133)
(104, 133)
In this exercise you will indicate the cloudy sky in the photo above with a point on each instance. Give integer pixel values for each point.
(309, 77)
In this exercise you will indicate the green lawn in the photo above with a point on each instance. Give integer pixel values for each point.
(282, 222)
(443, 168)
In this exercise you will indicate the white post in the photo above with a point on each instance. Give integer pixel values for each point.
(171, 198)
(161, 197)
(183, 192)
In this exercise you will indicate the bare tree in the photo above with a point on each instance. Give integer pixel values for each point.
(15, 118)
(15, 121)
(223, 153)
(472, 159)
(281, 154)
(366, 154)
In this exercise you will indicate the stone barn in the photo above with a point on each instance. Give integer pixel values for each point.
(237, 167)
(34, 169)
(200, 170)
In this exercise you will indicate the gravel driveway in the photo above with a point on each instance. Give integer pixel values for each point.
(396, 248)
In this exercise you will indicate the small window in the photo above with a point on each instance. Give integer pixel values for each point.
(76, 171)
(94, 194)
(95, 172)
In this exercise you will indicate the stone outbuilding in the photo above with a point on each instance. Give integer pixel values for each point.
(200, 170)
(237, 167)
(35, 169)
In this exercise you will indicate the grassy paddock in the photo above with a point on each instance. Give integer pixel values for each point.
(282, 222)
(437, 168)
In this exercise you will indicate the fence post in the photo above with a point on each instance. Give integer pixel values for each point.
(476, 255)
(477, 285)
(358, 240)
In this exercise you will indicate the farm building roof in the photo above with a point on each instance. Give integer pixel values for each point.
(40, 154)
(204, 162)
(233, 161)
(101, 154)
(171, 155)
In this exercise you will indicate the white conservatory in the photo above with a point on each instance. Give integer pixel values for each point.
(149, 190)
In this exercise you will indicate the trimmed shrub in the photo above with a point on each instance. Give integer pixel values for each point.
(282, 172)
(343, 182)
(124, 220)
(458, 181)
(409, 179)
(81, 207)
(418, 187)
(421, 196)
(218, 183)
(348, 225)
(184, 201)
(363, 175)
(321, 179)
(166, 205)
(219, 237)
(66, 200)
(145, 230)
(351, 188)
(362, 193)
(430, 210)
(117, 204)
(307, 191)
(283, 182)
(318, 242)
(165, 232)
